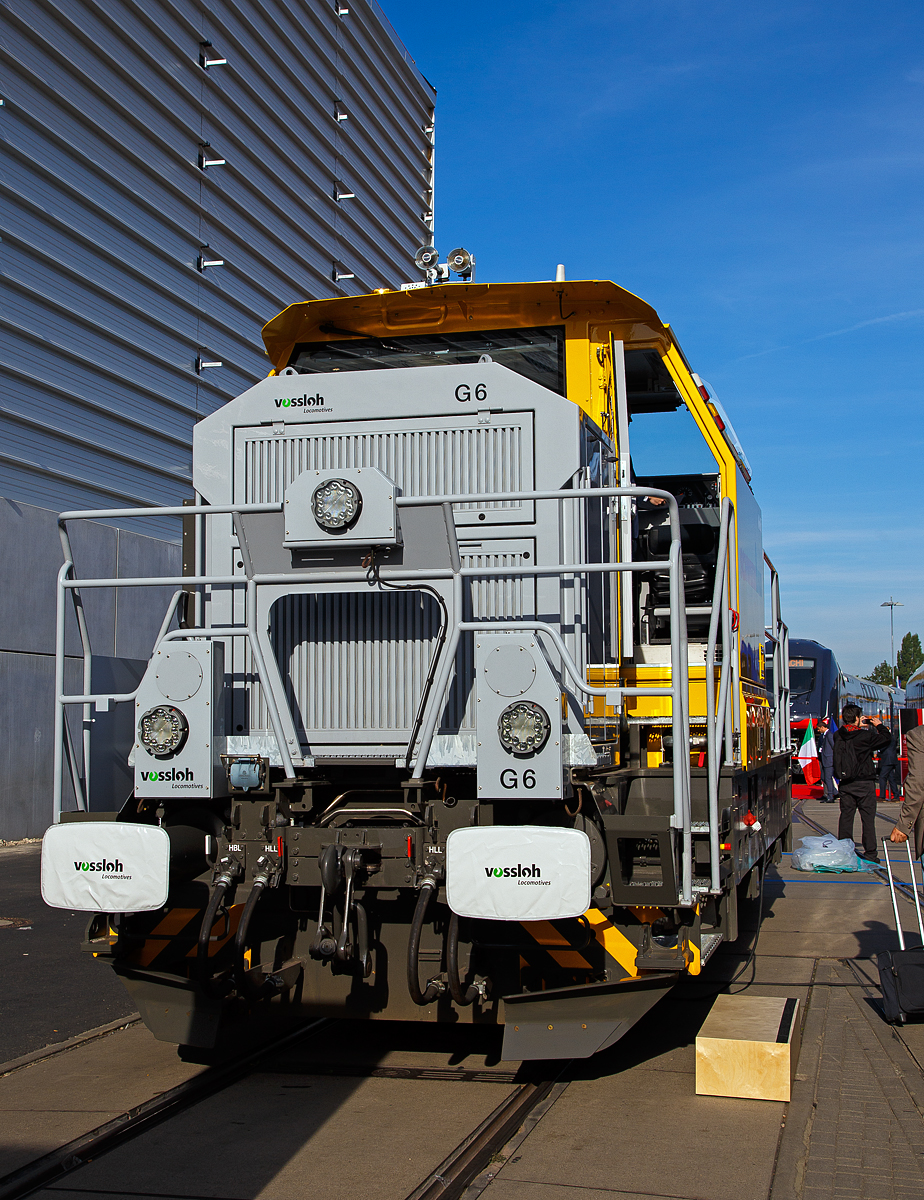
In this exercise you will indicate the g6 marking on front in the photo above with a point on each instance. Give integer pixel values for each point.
(464, 392)
(509, 780)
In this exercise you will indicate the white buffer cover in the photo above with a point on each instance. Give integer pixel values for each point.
(105, 866)
(518, 872)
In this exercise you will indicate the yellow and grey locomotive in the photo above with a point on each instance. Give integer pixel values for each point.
(452, 717)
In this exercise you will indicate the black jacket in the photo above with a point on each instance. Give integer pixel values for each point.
(854, 749)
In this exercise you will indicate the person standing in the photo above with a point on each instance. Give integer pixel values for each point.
(911, 817)
(826, 732)
(855, 743)
(889, 778)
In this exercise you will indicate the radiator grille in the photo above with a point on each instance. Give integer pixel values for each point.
(423, 462)
(355, 664)
(355, 661)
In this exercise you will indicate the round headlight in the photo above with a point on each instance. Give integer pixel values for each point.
(162, 730)
(523, 727)
(336, 504)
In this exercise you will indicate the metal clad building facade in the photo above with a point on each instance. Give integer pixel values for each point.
(299, 166)
(173, 174)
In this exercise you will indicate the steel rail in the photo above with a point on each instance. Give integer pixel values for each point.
(454, 1174)
(90, 1145)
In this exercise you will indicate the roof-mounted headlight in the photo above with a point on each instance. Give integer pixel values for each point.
(336, 504)
(523, 727)
(162, 730)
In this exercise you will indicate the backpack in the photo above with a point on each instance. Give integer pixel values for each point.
(846, 760)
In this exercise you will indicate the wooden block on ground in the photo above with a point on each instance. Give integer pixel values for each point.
(748, 1047)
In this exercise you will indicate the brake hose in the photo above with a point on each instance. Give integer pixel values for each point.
(241, 978)
(452, 967)
(203, 973)
(434, 987)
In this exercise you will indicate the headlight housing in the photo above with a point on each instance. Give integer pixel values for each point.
(162, 730)
(523, 727)
(336, 504)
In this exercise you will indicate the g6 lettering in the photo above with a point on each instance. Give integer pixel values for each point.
(464, 392)
(510, 780)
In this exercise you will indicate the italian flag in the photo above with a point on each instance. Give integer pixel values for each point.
(807, 757)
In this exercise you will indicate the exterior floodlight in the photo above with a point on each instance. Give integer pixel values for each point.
(523, 727)
(461, 262)
(426, 258)
(162, 730)
(336, 504)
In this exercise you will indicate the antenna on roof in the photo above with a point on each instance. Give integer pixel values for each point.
(560, 273)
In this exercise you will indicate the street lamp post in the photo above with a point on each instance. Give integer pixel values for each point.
(891, 605)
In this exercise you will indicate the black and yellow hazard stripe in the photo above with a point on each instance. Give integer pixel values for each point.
(576, 949)
(176, 936)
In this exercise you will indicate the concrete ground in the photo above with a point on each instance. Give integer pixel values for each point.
(630, 1126)
(51, 991)
(289, 1130)
(627, 1125)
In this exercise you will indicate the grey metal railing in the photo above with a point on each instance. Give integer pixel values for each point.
(678, 689)
(720, 714)
(778, 634)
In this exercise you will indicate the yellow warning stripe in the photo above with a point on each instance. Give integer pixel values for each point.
(615, 943)
(545, 933)
(556, 945)
(175, 920)
(158, 939)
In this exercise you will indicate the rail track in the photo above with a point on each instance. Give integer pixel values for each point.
(519, 1110)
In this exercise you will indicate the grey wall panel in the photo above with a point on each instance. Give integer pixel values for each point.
(121, 622)
(105, 316)
(30, 550)
(27, 721)
(139, 613)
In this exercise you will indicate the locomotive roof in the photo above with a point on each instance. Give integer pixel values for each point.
(578, 304)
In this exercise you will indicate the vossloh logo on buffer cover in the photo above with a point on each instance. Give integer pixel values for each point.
(523, 875)
(110, 870)
(518, 872)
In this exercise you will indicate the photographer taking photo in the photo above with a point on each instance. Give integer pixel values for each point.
(855, 743)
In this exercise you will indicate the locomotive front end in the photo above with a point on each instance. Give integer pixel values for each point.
(397, 725)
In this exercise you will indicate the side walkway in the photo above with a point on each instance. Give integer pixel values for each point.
(631, 1127)
(855, 1127)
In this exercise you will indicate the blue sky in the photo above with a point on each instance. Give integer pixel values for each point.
(755, 172)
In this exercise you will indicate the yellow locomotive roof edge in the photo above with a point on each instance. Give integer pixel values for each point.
(456, 306)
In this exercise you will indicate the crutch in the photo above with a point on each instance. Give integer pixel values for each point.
(898, 923)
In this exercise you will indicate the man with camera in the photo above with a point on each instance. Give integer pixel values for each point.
(855, 743)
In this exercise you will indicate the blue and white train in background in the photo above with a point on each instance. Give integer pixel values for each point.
(819, 688)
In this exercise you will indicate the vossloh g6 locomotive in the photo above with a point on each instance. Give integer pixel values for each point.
(452, 718)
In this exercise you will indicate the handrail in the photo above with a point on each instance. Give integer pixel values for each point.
(715, 721)
(678, 689)
(778, 633)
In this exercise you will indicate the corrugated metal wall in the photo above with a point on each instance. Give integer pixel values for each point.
(128, 165)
